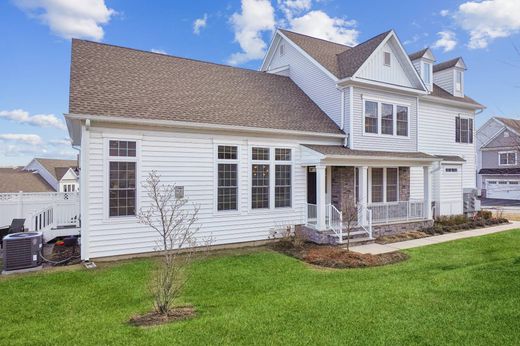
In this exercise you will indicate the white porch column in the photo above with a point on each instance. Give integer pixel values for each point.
(320, 197)
(427, 185)
(363, 190)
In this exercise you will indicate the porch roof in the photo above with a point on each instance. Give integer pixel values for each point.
(451, 158)
(338, 151)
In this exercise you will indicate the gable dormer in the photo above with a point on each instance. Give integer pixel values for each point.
(449, 75)
(423, 62)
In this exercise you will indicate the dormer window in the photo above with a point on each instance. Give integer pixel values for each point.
(458, 81)
(387, 58)
(427, 73)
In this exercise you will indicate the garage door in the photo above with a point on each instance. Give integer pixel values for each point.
(503, 189)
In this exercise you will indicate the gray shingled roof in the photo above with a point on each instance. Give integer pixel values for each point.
(16, 179)
(121, 82)
(339, 150)
(440, 92)
(446, 64)
(417, 55)
(512, 123)
(58, 167)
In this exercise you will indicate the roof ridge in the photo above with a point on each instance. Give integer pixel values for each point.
(176, 57)
(316, 38)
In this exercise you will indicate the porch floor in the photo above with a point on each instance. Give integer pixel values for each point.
(408, 244)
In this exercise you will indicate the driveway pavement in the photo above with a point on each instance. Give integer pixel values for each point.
(384, 248)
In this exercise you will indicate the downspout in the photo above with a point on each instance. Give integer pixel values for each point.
(417, 123)
(83, 188)
(342, 107)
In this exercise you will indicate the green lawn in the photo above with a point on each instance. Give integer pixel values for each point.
(462, 292)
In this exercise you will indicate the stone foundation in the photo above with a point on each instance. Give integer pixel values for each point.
(396, 228)
(316, 237)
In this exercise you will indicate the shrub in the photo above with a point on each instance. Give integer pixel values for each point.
(485, 214)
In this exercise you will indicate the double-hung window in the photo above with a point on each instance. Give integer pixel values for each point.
(458, 81)
(507, 158)
(463, 130)
(427, 68)
(387, 119)
(384, 184)
(227, 168)
(283, 178)
(122, 178)
(260, 178)
(371, 117)
(402, 121)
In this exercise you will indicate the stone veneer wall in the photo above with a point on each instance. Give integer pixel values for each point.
(396, 228)
(343, 188)
(404, 183)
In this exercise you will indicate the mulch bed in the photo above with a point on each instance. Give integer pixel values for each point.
(156, 319)
(401, 237)
(62, 253)
(337, 257)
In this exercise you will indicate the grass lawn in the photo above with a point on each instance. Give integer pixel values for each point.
(461, 292)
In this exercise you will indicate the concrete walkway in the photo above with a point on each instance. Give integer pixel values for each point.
(408, 244)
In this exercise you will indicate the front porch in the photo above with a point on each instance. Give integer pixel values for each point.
(366, 194)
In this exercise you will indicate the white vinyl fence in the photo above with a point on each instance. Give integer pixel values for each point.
(24, 205)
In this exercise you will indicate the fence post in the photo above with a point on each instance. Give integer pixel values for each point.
(20, 205)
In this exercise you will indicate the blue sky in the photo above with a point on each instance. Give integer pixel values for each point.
(35, 47)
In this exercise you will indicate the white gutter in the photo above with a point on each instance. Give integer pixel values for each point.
(386, 158)
(193, 125)
(391, 87)
(452, 102)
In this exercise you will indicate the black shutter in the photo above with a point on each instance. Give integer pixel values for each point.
(457, 129)
(470, 124)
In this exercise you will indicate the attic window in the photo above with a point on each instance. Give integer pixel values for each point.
(387, 57)
(458, 81)
(282, 49)
(427, 77)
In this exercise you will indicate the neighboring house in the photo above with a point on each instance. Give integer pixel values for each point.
(17, 179)
(320, 130)
(62, 175)
(498, 144)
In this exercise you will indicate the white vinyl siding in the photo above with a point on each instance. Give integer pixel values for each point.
(444, 79)
(189, 160)
(380, 142)
(320, 87)
(375, 68)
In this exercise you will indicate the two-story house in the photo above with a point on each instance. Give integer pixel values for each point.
(321, 131)
(498, 144)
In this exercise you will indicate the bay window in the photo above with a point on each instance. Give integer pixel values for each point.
(402, 121)
(387, 119)
(371, 117)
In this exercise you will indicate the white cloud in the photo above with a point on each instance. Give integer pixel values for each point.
(319, 24)
(70, 18)
(21, 138)
(66, 142)
(200, 23)
(447, 41)
(40, 120)
(444, 13)
(257, 16)
(158, 51)
(415, 38)
(488, 20)
(290, 8)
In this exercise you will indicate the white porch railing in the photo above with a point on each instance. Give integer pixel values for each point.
(364, 219)
(334, 221)
(397, 211)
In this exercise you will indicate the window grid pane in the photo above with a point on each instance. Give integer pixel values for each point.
(122, 190)
(377, 185)
(122, 148)
(281, 154)
(387, 119)
(402, 121)
(283, 183)
(371, 115)
(227, 186)
(391, 184)
(227, 152)
(260, 186)
(260, 153)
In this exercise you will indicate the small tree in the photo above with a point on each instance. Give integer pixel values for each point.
(174, 220)
(350, 218)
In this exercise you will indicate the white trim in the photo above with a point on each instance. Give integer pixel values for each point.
(342, 108)
(84, 192)
(461, 104)
(351, 118)
(363, 82)
(507, 152)
(194, 125)
(279, 69)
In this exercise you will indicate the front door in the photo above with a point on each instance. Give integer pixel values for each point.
(311, 185)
